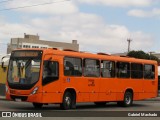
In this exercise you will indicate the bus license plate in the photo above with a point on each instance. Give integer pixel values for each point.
(18, 100)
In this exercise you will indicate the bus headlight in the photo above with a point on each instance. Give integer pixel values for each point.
(34, 91)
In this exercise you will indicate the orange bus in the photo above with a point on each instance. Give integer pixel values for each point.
(46, 76)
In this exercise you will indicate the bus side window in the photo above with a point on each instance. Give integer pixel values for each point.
(149, 71)
(69, 68)
(50, 71)
(108, 69)
(123, 70)
(91, 68)
(136, 70)
(72, 66)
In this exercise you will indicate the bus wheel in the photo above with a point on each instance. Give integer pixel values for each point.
(128, 99)
(67, 101)
(100, 103)
(37, 105)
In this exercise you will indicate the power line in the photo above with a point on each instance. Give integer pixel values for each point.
(33, 5)
(5, 1)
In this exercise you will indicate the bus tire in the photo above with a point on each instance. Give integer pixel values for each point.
(128, 100)
(120, 103)
(73, 106)
(67, 101)
(100, 103)
(37, 105)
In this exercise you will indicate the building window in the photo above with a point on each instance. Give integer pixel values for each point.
(123, 70)
(149, 71)
(91, 68)
(14, 46)
(26, 46)
(72, 66)
(136, 70)
(44, 47)
(35, 46)
(107, 69)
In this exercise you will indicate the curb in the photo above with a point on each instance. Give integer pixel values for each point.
(2, 98)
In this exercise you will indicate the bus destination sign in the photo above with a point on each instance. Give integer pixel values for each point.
(26, 54)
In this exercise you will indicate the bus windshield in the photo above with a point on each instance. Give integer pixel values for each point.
(23, 71)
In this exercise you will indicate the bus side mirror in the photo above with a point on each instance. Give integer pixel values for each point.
(3, 67)
(2, 63)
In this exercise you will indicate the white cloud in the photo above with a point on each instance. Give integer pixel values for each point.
(155, 12)
(138, 13)
(120, 3)
(56, 6)
(8, 30)
(141, 41)
(11, 30)
(92, 33)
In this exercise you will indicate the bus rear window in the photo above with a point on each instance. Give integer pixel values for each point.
(149, 71)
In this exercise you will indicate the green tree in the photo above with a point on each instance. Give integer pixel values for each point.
(142, 55)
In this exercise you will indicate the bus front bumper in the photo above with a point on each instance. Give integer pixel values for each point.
(25, 98)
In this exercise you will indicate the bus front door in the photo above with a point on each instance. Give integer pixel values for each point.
(50, 79)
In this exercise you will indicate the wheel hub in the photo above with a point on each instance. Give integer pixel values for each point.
(128, 100)
(68, 101)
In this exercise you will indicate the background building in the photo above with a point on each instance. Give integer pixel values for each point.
(157, 54)
(29, 41)
(120, 54)
(33, 41)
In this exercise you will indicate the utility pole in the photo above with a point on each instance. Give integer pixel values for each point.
(150, 54)
(129, 42)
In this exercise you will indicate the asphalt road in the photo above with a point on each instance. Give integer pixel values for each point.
(150, 106)
(137, 106)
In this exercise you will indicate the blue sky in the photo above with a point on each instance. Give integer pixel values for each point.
(98, 25)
